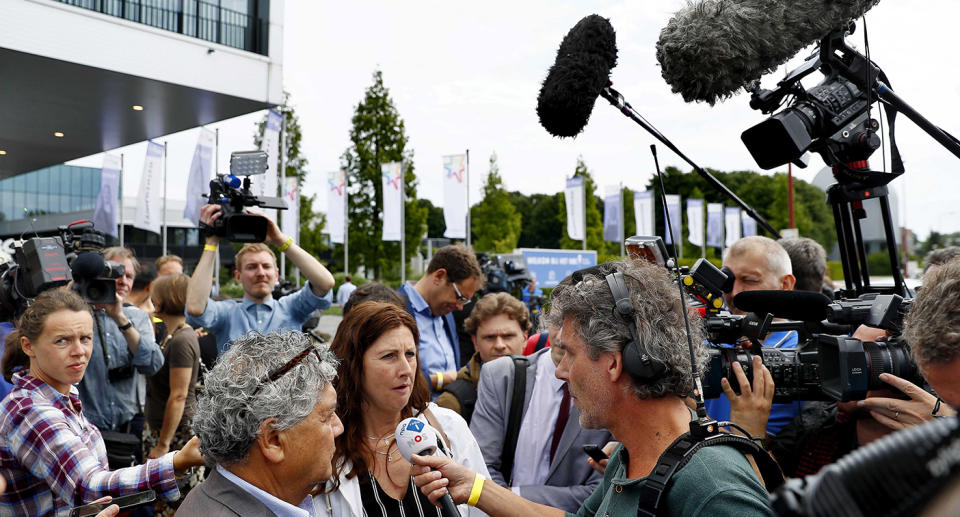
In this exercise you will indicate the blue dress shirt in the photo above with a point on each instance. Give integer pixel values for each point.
(780, 414)
(229, 320)
(279, 507)
(106, 404)
(439, 344)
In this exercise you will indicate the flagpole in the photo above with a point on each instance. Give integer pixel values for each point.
(346, 226)
(583, 187)
(469, 229)
(623, 219)
(216, 170)
(403, 227)
(282, 175)
(703, 234)
(164, 218)
(121, 199)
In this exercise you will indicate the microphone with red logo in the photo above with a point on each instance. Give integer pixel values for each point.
(415, 436)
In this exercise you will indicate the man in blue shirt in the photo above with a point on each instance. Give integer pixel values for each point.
(124, 350)
(256, 271)
(452, 278)
(758, 263)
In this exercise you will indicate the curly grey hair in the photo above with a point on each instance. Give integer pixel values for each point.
(659, 320)
(932, 327)
(229, 414)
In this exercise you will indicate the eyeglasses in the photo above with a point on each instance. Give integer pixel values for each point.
(461, 299)
(279, 372)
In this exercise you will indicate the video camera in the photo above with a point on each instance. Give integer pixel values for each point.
(504, 273)
(233, 195)
(827, 364)
(42, 263)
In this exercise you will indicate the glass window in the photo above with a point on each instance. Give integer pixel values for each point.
(43, 181)
(6, 205)
(19, 183)
(31, 182)
(76, 183)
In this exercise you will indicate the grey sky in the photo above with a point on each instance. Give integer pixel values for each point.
(466, 75)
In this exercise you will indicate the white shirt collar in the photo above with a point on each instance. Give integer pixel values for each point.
(278, 506)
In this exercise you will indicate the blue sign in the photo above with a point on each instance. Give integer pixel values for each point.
(415, 426)
(552, 266)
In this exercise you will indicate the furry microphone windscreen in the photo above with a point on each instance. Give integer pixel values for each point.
(582, 69)
(712, 48)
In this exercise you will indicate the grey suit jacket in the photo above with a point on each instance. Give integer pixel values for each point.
(570, 480)
(218, 497)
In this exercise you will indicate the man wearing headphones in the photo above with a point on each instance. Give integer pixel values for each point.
(627, 364)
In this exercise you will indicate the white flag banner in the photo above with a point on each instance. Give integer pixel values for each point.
(455, 196)
(336, 198)
(749, 226)
(695, 221)
(612, 215)
(731, 217)
(105, 213)
(676, 219)
(392, 179)
(267, 184)
(201, 170)
(150, 198)
(290, 218)
(574, 195)
(643, 212)
(715, 225)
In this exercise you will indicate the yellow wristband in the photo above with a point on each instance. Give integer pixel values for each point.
(475, 492)
(208, 247)
(286, 245)
(439, 380)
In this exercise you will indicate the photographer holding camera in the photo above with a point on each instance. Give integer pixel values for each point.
(256, 270)
(644, 408)
(123, 350)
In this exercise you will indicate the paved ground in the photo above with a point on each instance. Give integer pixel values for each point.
(328, 325)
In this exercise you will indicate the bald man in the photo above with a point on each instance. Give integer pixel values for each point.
(758, 263)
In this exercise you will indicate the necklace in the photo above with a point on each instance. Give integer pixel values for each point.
(386, 441)
(163, 346)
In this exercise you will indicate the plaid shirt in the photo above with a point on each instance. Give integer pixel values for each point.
(53, 458)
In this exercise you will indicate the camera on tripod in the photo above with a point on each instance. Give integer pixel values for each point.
(234, 195)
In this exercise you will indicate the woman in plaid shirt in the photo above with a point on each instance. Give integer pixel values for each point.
(51, 456)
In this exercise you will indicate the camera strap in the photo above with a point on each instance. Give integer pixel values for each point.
(681, 451)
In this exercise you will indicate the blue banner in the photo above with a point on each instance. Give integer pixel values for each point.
(552, 266)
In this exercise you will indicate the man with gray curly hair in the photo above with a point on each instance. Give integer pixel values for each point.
(267, 422)
(644, 414)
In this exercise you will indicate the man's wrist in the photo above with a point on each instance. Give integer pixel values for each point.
(213, 240)
(284, 243)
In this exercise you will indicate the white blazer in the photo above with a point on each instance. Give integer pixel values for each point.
(345, 502)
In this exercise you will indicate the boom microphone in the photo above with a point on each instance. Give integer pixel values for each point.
(712, 48)
(414, 436)
(581, 71)
(88, 265)
(793, 305)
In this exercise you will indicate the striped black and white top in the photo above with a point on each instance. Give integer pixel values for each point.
(376, 502)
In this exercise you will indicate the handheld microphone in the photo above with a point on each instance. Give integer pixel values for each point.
(581, 71)
(794, 305)
(415, 436)
(712, 48)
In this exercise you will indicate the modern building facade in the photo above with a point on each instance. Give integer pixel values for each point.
(82, 77)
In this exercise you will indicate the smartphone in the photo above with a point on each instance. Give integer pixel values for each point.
(126, 501)
(594, 452)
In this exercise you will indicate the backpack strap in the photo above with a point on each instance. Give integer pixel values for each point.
(466, 395)
(432, 420)
(516, 413)
(681, 451)
(542, 341)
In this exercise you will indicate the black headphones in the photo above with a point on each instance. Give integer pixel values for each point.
(642, 366)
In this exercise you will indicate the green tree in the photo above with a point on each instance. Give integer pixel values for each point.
(378, 137)
(436, 224)
(496, 222)
(312, 222)
(543, 219)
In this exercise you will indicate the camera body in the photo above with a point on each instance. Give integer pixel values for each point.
(234, 195)
(42, 263)
(506, 273)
